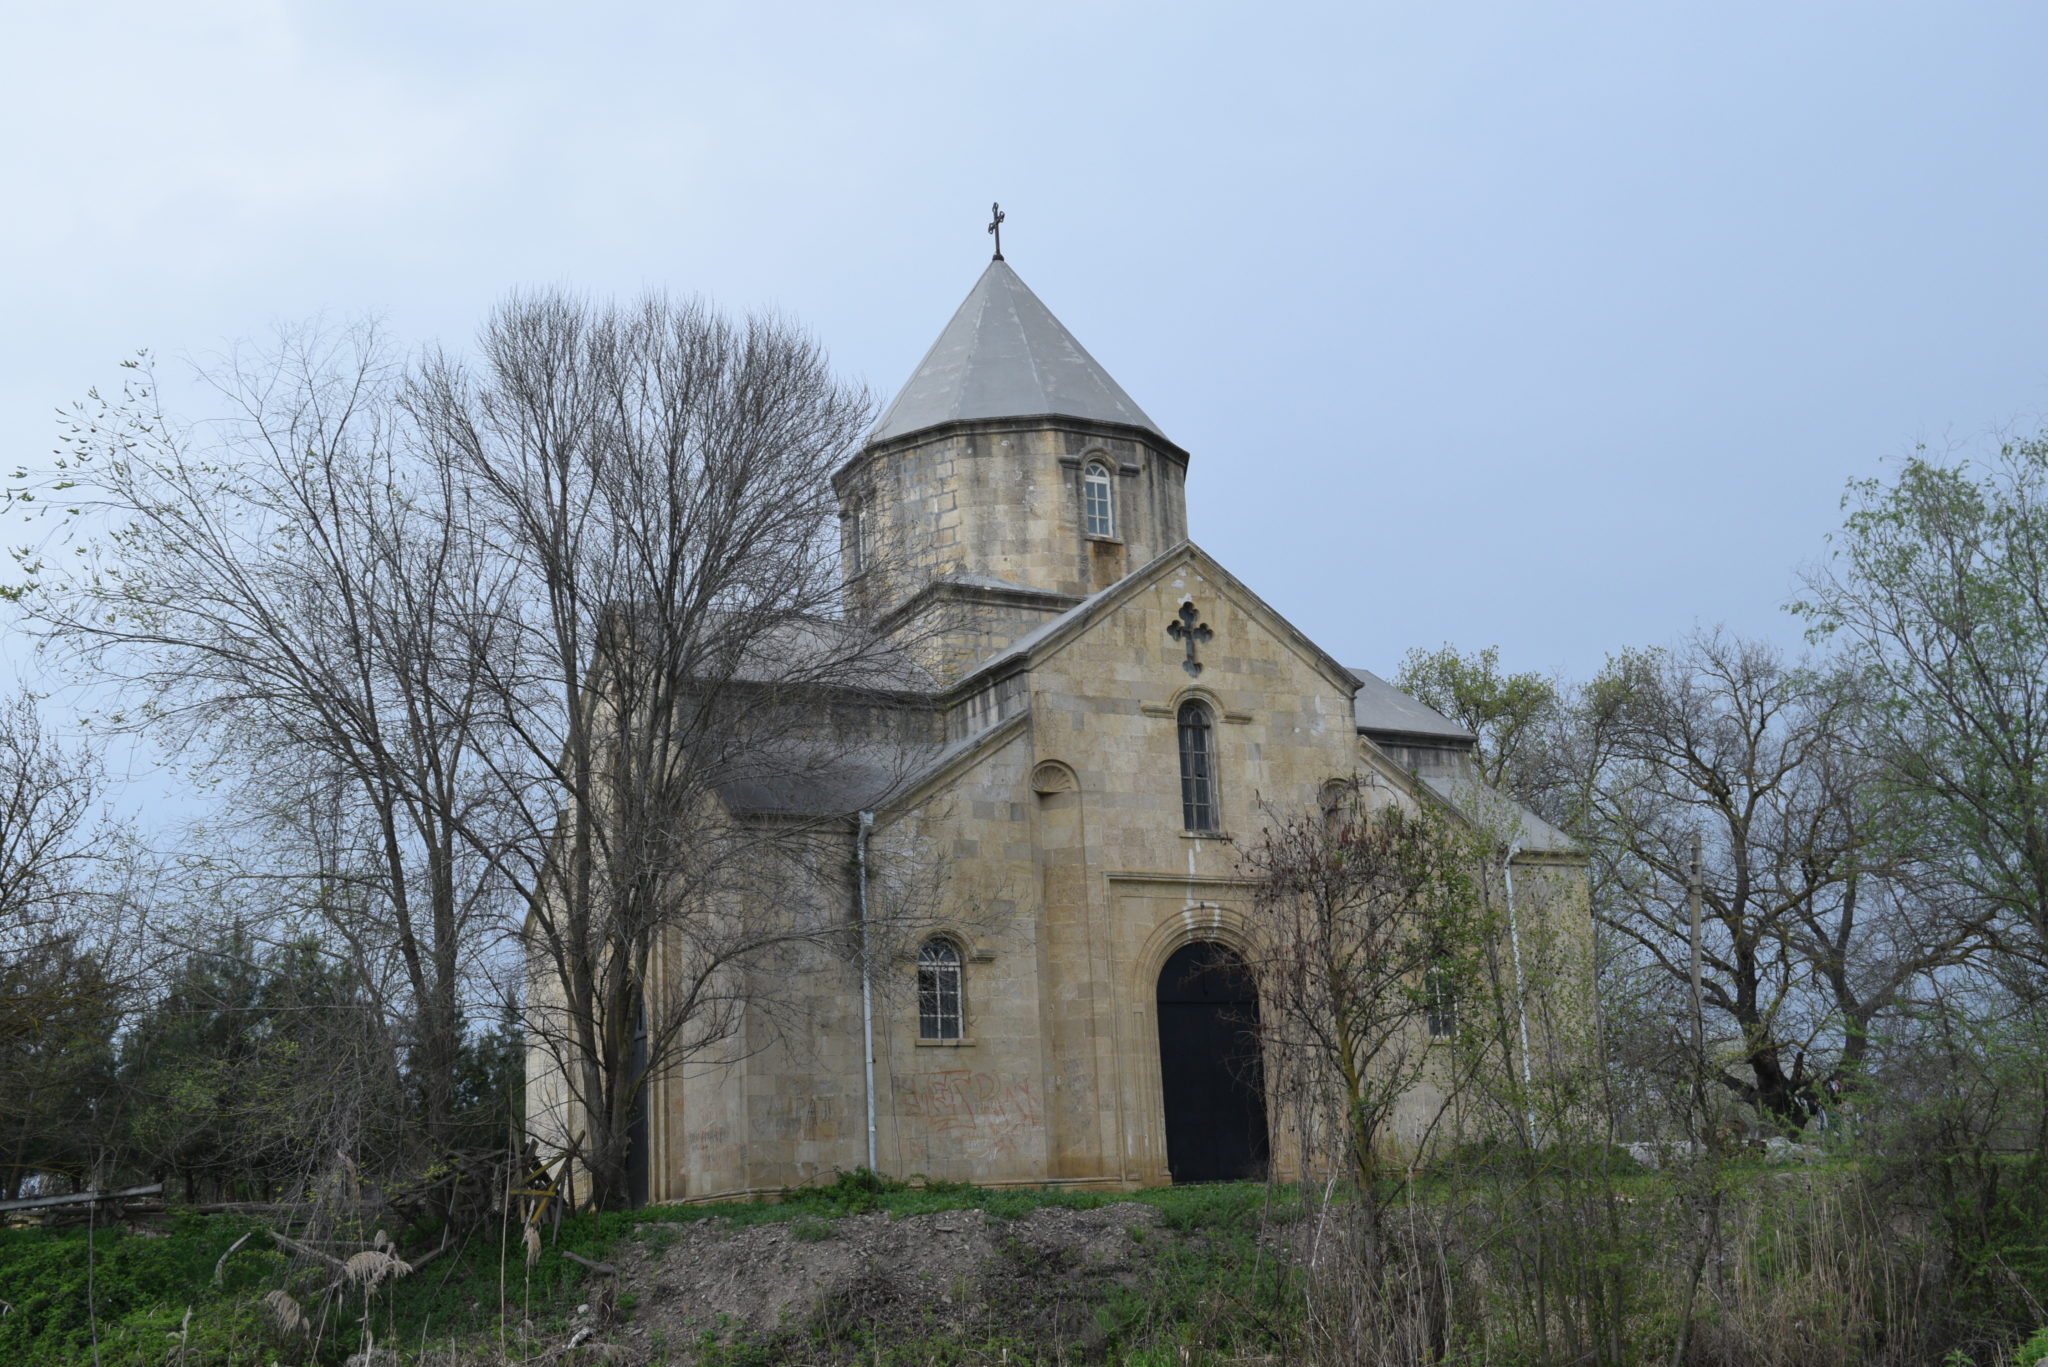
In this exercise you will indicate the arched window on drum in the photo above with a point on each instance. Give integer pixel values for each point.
(1098, 499)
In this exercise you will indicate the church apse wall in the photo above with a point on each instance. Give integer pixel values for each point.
(966, 1099)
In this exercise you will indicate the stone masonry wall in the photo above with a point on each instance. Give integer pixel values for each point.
(1003, 500)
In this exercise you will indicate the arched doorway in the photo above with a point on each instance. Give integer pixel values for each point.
(1210, 1069)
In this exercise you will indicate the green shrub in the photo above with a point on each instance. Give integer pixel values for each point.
(64, 1285)
(1501, 1158)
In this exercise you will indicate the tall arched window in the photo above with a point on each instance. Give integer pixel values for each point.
(1098, 499)
(1197, 768)
(940, 1013)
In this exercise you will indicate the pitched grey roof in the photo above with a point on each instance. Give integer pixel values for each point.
(1382, 707)
(838, 777)
(1005, 356)
(826, 653)
(1489, 807)
(823, 778)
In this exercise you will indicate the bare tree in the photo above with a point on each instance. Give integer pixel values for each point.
(1367, 919)
(672, 658)
(564, 624)
(288, 593)
(63, 983)
(50, 834)
(1814, 922)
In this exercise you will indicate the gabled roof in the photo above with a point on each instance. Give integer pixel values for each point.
(1005, 356)
(814, 778)
(825, 652)
(837, 778)
(1490, 808)
(1382, 707)
(1049, 635)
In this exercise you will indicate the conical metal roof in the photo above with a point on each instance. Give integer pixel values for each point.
(1005, 356)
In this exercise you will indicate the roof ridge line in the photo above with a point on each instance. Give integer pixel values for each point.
(1004, 354)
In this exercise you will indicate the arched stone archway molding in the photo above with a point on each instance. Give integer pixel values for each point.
(1203, 918)
(1211, 911)
(1208, 697)
(972, 950)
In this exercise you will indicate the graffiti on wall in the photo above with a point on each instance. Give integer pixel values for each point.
(806, 1118)
(992, 1105)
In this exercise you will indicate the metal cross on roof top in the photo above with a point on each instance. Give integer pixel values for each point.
(1186, 628)
(995, 226)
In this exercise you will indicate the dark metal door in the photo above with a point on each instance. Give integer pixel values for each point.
(1210, 1068)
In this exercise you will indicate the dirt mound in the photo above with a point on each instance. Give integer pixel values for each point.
(833, 1280)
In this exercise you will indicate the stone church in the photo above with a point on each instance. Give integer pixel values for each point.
(1105, 709)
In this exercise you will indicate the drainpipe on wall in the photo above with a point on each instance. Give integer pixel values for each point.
(1521, 990)
(867, 978)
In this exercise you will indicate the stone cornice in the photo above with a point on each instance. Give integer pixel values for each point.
(1037, 422)
(949, 589)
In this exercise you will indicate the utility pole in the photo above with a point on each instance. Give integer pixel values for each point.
(867, 977)
(1709, 1201)
(1699, 1026)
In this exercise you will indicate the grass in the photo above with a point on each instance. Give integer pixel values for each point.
(141, 1288)
(863, 1193)
(154, 1298)
(1208, 1289)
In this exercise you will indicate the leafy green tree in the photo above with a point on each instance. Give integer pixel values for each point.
(490, 1082)
(254, 1067)
(1509, 713)
(60, 934)
(1937, 586)
(58, 1014)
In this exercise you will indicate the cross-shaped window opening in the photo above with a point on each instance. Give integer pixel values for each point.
(1188, 629)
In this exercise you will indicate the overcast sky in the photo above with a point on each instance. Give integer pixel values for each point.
(1553, 326)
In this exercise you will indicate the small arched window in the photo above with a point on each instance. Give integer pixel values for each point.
(857, 531)
(1197, 768)
(1098, 497)
(940, 1014)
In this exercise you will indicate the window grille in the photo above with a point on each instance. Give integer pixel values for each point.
(1440, 1002)
(1099, 499)
(939, 1009)
(1197, 768)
